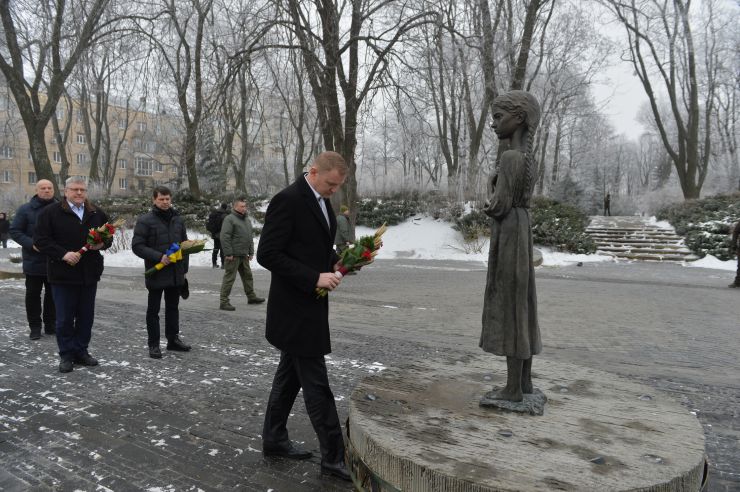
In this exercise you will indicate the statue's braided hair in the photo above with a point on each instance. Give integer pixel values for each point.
(525, 103)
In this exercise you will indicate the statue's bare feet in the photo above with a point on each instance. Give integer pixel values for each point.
(506, 394)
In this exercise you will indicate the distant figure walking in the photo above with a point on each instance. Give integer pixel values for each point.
(34, 263)
(343, 239)
(607, 204)
(735, 243)
(4, 227)
(213, 225)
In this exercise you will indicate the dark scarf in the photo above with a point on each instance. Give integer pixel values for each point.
(165, 215)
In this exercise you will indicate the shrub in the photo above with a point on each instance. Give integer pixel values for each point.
(373, 212)
(560, 225)
(705, 223)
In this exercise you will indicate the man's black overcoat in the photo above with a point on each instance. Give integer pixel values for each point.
(296, 245)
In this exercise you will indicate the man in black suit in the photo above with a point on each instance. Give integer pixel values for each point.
(296, 245)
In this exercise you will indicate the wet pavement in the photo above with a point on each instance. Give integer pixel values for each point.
(192, 421)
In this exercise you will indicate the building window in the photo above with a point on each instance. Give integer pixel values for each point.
(121, 163)
(123, 183)
(81, 138)
(141, 126)
(79, 116)
(7, 176)
(122, 123)
(6, 152)
(82, 159)
(158, 167)
(151, 147)
(31, 177)
(143, 166)
(138, 144)
(60, 114)
(57, 156)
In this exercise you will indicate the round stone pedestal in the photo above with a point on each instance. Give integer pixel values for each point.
(421, 429)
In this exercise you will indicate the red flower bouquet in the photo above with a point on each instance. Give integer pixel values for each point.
(97, 235)
(361, 253)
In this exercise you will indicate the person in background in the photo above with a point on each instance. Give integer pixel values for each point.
(61, 231)
(296, 246)
(213, 225)
(735, 244)
(238, 248)
(607, 204)
(4, 228)
(34, 263)
(154, 233)
(343, 239)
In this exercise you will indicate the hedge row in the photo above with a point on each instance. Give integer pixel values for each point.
(705, 223)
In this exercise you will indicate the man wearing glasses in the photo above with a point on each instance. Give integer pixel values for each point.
(61, 231)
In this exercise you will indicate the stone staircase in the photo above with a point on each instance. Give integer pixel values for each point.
(636, 238)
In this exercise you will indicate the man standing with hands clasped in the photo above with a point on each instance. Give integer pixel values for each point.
(296, 246)
(61, 231)
(34, 263)
(238, 248)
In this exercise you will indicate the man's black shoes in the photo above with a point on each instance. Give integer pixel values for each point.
(286, 451)
(66, 365)
(255, 300)
(86, 360)
(35, 334)
(178, 345)
(338, 470)
(155, 352)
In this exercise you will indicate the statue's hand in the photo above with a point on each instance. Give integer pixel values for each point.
(487, 208)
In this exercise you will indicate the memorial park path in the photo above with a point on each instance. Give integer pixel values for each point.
(193, 421)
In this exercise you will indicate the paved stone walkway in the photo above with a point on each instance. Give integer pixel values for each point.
(192, 421)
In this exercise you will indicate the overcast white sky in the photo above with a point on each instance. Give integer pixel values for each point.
(621, 95)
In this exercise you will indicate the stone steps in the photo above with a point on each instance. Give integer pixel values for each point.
(635, 238)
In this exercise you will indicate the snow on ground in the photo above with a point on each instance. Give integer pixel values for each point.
(422, 238)
(662, 224)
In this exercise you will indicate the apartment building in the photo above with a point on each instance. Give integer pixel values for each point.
(140, 149)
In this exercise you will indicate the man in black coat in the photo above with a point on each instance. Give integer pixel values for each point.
(61, 231)
(296, 245)
(34, 263)
(735, 245)
(154, 233)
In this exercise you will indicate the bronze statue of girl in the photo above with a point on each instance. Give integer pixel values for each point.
(510, 325)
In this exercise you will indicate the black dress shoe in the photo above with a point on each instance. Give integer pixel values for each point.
(338, 470)
(35, 334)
(178, 345)
(87, 360)
(286, 451)
(66, 365)
(155, 352)
(50, 330)
(255, 300)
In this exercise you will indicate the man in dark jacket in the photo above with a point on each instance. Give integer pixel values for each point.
(34, 263)
(153, 235)
(296, 245)
(343, 239)
(61, 231)
(4, 228)
(238, 248)
(735, 243)
(213, 225)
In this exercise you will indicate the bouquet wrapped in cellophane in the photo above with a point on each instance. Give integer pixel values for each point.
(178, 251)
(361, 253)
(97, 235)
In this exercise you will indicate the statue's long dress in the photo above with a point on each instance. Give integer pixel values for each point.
(510, 325)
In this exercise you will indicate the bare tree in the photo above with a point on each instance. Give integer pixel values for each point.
(667, 59)
(46, 38)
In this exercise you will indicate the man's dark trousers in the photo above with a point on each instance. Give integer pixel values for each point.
(171, 314)
(217, 251)
(737, 275)
(34, 285)
(293, 373)
(75, 310)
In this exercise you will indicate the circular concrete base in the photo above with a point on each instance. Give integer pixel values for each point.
(421, 429)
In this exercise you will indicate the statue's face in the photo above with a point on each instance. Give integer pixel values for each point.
(505, 122)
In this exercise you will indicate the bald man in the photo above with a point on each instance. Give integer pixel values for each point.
(34, 263)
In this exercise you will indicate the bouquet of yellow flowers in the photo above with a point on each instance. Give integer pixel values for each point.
(361, 253)
(177, 251)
